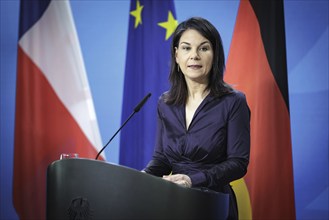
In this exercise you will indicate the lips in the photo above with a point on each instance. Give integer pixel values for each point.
(194, 66)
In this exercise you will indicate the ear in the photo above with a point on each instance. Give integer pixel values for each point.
(176, 55)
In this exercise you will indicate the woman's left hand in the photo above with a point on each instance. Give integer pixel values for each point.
(180, 179)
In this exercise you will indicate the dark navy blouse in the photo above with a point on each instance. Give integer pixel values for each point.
(213, 151)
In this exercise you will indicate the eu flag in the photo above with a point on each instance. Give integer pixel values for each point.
(151, 25)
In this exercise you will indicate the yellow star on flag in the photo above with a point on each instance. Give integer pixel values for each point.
(169, 25)
(137, 13)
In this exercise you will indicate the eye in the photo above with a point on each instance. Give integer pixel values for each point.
(187, 48)
(204, 49)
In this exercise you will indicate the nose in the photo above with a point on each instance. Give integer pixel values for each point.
(194, 55)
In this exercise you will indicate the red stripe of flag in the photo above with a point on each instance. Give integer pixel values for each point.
(270, 174)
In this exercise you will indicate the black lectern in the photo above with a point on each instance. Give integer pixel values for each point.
(92, 189)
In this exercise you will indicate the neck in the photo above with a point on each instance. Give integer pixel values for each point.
(196, 90)
(197, 93)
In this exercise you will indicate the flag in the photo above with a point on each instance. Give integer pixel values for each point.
(257, 66)
(151, 25)
(54, 107)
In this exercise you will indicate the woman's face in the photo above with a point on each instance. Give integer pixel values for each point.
(194, 56)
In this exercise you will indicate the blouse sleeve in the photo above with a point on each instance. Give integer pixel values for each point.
(238, 149)
(159, 165)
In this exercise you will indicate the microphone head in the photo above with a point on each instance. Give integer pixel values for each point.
(140, 105)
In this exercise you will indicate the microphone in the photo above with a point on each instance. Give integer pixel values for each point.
(136, 109)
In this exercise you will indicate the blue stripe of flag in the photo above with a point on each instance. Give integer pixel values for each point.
(30, 13)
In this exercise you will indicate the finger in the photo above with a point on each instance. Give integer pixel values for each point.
(183, 183)
(176, 177)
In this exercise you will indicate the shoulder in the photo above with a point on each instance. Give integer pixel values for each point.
(237, 102)
(235, 96)
(166, 110)
(162, 101)
(238, 95)
(162, 98)
(234, 101)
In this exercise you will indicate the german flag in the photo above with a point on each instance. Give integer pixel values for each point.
(257, 66)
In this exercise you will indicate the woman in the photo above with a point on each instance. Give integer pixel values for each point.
(203, 128)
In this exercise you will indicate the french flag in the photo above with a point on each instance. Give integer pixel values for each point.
(54, 106)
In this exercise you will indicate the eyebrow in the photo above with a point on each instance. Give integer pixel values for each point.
(205, 42)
